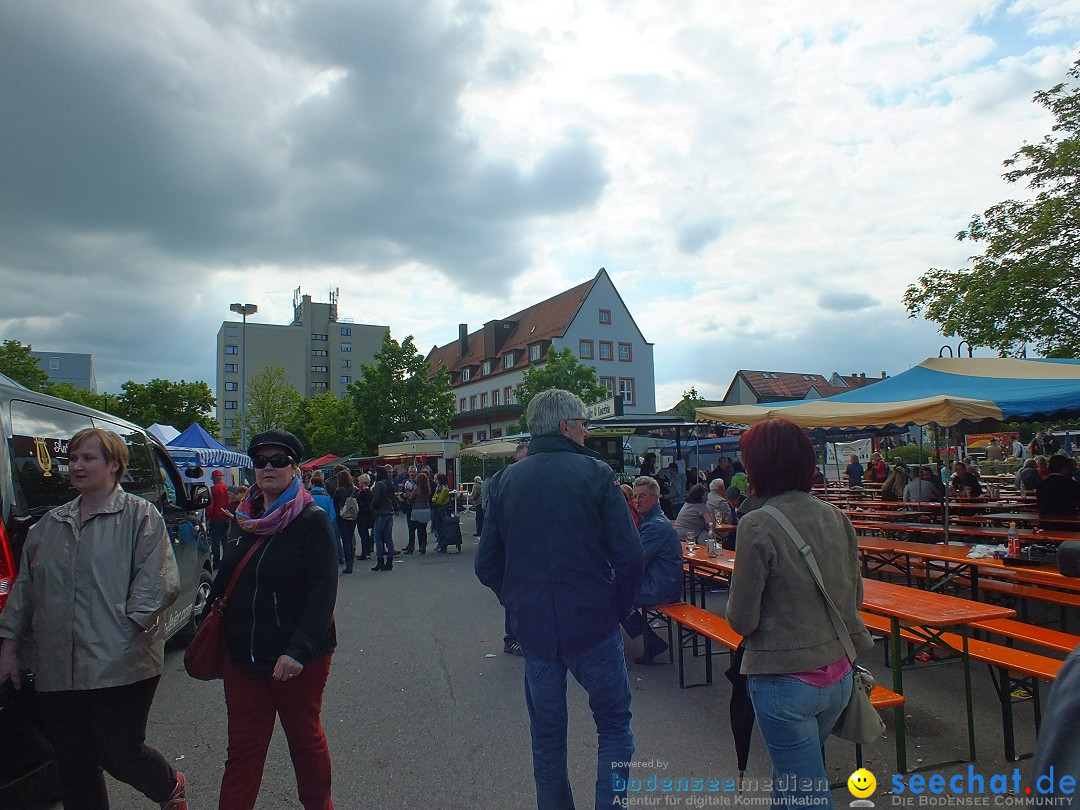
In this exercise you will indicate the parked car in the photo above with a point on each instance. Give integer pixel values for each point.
(33, 479)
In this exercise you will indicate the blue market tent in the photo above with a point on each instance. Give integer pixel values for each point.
(941, 391)
(197, 448)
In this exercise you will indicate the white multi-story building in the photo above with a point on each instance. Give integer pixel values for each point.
(318, 352)
(591, 320)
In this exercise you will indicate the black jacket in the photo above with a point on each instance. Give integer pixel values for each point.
(283, 603)
(559, 548)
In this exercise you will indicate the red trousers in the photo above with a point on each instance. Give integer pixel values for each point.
(254, 700)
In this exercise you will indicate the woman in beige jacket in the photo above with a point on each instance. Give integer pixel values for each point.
(96, 575)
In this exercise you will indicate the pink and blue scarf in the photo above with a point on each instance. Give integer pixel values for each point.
(282, 512)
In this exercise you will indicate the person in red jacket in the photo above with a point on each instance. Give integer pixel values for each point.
(218, 516)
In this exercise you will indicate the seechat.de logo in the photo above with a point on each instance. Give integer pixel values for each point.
(862, 783)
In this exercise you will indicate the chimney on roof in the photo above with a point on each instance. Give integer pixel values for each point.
(463, 339)
(862, 378)
(883, 375)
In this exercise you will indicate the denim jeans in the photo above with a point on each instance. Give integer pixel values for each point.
(384, 537)
(795, 719)
(601, 670)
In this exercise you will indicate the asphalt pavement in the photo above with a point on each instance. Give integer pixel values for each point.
(424, 710)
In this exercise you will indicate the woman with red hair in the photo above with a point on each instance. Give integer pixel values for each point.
(797, 666)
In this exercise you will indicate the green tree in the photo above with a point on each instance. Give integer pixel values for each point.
(398, 392)
(1025, 287)
(18, 364)
(691, 401)
(271, 399)
(561, 370)
(103, 402)
(331, 425)
(168, 403)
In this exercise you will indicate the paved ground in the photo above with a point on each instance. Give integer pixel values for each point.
(423, 709)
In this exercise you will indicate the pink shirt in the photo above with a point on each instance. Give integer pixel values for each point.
(825, 676)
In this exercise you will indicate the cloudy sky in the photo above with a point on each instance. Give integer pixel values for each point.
(761, 180)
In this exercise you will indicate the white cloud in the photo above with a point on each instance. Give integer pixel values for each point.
(761, 183)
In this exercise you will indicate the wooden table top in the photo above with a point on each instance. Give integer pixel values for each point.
(999, 534)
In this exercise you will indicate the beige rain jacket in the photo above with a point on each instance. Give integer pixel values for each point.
(86, 603)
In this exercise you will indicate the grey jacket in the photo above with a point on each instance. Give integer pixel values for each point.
(86, 602)
(774, 600)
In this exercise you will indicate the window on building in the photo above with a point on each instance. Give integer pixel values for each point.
(534, 352)
(483, 400)
(231, 368)
(609, 384)
(229, 423)
(485, 369)
(481, 435)
(626, 388)
(625, 352)
(232, 331)
(346, 331)
(472, 402)
(496, 433)
(466, 438)
(319, 386)
(466, 374)
(345, 379)
(585, 349)
(319, 353)
(346, 347)
(320, 369)
(607, 351)
(461, 405)
(346, 363)
(508, 360)
(232, 441)
(231, 349)
(319, 337)
(508, 393)
(230, 386)
(605, 316)
(230, 405)
(495, 397)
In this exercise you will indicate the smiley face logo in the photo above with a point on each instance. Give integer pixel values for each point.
(861, 783)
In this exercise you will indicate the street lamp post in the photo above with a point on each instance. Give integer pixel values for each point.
(243, 310)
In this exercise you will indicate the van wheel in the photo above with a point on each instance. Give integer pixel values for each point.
(198, 608)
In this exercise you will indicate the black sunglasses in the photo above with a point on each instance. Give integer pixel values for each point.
(277, 461)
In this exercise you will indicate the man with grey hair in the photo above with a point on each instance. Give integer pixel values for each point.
(560, 551)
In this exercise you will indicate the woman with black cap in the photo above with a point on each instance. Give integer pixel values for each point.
(279, 627)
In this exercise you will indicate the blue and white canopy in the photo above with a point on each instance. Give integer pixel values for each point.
(197, 448)
(941, 391)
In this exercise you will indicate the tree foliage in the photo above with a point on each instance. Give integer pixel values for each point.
(21, 366)
(1025, 287)
(103, 402)
(271, 399)
(168, 403)
(397, 393)
(330, 425)
(562, 370)
(691, 401)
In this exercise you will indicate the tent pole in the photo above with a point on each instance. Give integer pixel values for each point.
(945, 500)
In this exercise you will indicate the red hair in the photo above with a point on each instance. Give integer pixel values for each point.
(778, 457)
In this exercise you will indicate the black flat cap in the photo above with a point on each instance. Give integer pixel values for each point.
(281, 438)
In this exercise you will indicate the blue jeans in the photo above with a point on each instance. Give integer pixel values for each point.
(795, 719)
(384, 536)
(601, 670)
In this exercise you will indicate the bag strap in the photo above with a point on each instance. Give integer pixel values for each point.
(236, 571)
(811, 562)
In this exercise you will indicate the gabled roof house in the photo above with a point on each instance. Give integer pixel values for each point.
(488, 364)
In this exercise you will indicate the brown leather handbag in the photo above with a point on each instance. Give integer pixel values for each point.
(204, 658)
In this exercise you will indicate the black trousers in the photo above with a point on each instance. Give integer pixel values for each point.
(348, 540)
(105, 729)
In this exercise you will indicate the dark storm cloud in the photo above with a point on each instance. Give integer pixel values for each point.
(186, 134)
(846, 301)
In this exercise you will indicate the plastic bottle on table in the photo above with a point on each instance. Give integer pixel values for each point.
(1014, 540)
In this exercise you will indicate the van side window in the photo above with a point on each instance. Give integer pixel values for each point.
(39, 454)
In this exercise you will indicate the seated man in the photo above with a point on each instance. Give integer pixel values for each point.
(923, 489)
(964, 483)
(1027, 477)
(1058, 495)
(662, 584)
